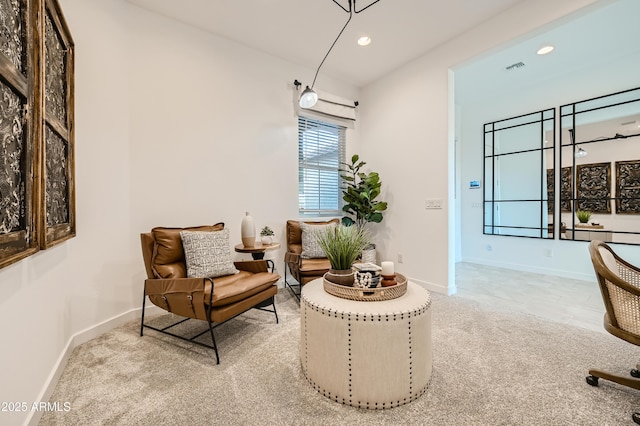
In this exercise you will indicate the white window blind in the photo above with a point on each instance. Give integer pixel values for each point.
(321, 149)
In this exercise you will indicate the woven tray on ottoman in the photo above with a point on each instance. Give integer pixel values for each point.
(367, 294)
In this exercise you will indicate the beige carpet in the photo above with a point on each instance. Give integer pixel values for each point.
(490, 368)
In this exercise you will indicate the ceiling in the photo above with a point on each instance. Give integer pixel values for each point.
(301, 31)
(605, 33)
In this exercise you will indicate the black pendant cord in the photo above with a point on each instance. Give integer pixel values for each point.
(334, 43)
(352, 6)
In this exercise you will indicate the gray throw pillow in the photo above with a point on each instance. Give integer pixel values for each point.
(207, 254)
(310, 247)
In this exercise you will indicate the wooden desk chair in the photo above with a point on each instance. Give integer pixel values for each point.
(620, 288)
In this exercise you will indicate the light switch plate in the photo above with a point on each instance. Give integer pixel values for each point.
(433, 203)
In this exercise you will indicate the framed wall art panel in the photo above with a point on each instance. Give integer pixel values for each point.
(37, 190)
(628, 187)
(551, 190)
(566, 188)
(57, 223)
(593, 187)
(18, 131)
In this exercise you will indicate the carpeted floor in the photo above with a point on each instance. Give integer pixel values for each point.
(490, 367)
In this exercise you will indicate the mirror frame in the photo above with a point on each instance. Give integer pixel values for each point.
(603, 179)
(546, 201)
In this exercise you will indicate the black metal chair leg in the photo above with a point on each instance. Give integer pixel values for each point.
(273, 302)
(213, 339)
(144, 299)
(290, 286)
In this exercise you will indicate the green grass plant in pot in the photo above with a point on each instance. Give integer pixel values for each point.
(342, 246)
(583, 216)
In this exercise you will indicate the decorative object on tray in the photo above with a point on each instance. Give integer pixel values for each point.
(366, 275)
(266, 235)
(388, 274)
(248, 231)
(343, 277)
(369, 254)
(367, 294)
(387, 268)
(587, 226)
(342, 246)
(388, 280)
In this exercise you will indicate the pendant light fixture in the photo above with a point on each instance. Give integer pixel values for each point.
(581, 153)
(308, 97)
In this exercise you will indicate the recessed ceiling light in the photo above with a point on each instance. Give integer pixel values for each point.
(364, 40)
(545, 49)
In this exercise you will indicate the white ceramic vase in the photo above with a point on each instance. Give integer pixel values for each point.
(248, 231)
(369, 255)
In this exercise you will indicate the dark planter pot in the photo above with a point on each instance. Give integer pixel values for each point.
(340, 276)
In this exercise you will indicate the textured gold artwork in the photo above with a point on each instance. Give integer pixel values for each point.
(593, 187)
(37, 191)
(628, 187)
(566, 188)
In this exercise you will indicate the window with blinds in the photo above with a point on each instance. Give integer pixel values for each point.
(321, 149)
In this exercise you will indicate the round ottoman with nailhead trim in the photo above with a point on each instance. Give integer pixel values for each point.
(366, 354)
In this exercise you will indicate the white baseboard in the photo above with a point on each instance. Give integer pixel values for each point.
(528, 268)
(77, 339)
(436, 288)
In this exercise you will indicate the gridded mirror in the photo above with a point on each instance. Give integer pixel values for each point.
(519, 170)
(600, 163)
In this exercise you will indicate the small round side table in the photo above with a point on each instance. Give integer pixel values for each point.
(257, 251)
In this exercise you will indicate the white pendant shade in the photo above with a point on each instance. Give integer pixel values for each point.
(308, 98)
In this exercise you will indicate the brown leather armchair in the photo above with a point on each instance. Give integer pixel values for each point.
(214, 300)
(302, 270)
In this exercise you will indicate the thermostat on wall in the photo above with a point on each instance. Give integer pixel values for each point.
(474, 184)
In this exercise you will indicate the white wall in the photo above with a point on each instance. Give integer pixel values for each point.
(212, 130)
(175, 127)
(408, 137)
(568, 258)
(57, 293)
(164, 137)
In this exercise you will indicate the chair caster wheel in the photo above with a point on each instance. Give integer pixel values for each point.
(635, 373)
(592, 380)
(636, 418)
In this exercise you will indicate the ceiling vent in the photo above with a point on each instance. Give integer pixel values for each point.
(514, 66)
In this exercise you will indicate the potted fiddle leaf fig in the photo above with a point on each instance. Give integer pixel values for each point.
(360, 193)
